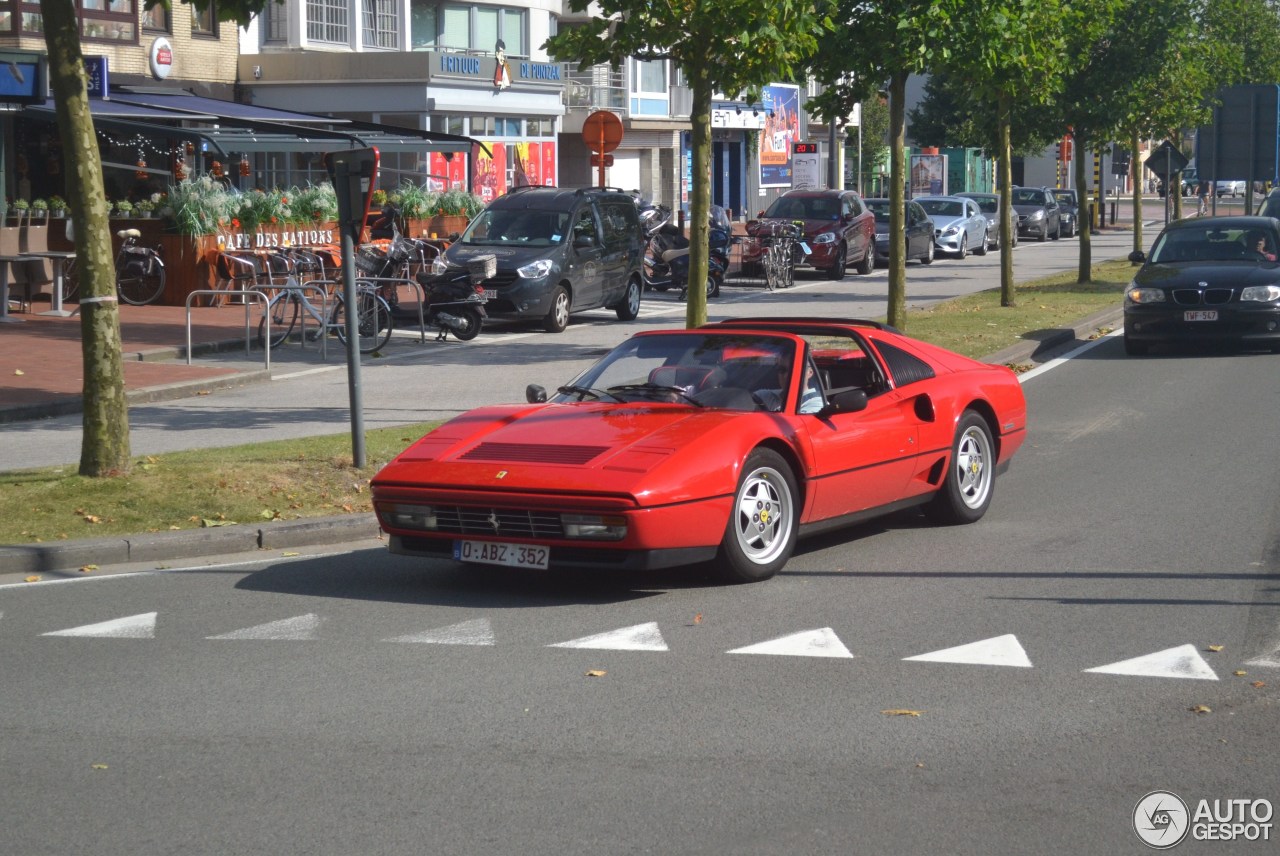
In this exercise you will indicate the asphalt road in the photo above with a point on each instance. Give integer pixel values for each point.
(357, 702)
(416, 382)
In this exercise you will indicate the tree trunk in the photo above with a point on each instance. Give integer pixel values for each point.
(1084, 271)
(1135, 168)
(700, 203)
(897, 314)
(1007, 228)
(104, 446)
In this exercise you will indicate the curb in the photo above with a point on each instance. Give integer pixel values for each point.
(1040, 345)
(186, 543)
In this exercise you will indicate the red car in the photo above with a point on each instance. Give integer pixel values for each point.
(837, 226)
(723, 443)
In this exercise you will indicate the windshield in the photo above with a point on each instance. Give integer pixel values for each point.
(942, 207)
(733, 371)
(528, 227)
(1067, 197)
(804, 208)
(1023, 196)
(880, 208)
(1214, 244)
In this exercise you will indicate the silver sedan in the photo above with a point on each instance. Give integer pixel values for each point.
(959, 226)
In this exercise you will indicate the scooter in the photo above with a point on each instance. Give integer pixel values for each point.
(666, 258)
(453, 304)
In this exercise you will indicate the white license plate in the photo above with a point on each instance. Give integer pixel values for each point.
(499, 553)
(490, 294)
(1200, 315)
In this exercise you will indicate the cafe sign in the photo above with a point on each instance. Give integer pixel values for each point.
(265, 239)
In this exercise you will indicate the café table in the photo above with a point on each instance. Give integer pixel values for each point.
(60, 259)
(5, 317)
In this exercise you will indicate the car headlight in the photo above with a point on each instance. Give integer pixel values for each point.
(438, 266)
(422, 517)
(1038, 215)
(1260, 293)
(950, 230)
(1139, 294)
(594, 527)
(825, 238)
(535, 270)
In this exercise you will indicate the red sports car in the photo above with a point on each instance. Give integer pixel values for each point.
(723, 443)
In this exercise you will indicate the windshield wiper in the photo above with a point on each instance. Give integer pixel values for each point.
(653, 387)
(583, 391)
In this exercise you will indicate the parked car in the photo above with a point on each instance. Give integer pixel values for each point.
(989, 205)
(1207, 279)
(559, 251)
(722, 443)
(918, 226)
(837, 227)
(1270, 206)
(1038, 213)
(958, 225)
(1229, 188)
(1068, 211)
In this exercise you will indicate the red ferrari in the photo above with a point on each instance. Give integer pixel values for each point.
(724, 443)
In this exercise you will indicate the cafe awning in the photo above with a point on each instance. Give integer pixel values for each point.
(134, 119)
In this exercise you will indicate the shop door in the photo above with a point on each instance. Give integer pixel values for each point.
(727, 180)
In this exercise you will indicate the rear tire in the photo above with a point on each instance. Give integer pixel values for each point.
(143, 287)
(557, 318)
(868, 263)
(981, 249)
(284, 316)
(971, 474)
(761, 533)
(629, 308)
(835, 273)
(373, 321)
(472, 322)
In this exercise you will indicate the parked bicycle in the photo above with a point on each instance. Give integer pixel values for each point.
(139, 272)
(783, 251)
(289, 301)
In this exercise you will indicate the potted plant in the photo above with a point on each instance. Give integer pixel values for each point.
(123, 208)
(144, 207)
(57, 206)
(18, 210)
(39, 204)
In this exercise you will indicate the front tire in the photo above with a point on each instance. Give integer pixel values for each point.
(835, 273)
(964, 247)
(981, 249)
(373, 322)
(629, 308)
(557, 318)
(868, 263)
(971, 474)
(928, 255)
(761, 533)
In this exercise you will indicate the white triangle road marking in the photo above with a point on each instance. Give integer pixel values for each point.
(806, 643)
(1181, 662)
(997, 651)
(299, 627)
(477, 632)
(1271, 660)
(132, 627)
(641, 637)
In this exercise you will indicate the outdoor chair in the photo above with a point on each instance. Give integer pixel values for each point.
(33, 237)
(11, 245)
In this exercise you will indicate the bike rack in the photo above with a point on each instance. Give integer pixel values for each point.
(422, 298)
(250, 297)
(318, 286)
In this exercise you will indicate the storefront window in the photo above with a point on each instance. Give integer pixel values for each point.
(204, 23)
(381, 24)
(327, 21)
(99, 21)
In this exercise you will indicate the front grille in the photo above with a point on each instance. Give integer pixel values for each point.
(1195, 297)
(500, 279)
(533, 453)
(503, 522)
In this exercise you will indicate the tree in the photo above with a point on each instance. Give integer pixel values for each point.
(728, 46)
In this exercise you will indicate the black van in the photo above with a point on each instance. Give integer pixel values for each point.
(558, 251)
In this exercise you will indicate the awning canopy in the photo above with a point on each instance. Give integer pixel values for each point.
(230, 126)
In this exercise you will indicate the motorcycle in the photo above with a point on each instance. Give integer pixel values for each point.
(666, 258)
(451, 304)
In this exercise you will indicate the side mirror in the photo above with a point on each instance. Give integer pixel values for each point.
(1138, 257)
(535, 394)
(584, 242)
(845, 401)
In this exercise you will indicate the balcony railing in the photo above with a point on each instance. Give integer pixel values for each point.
(597, 88)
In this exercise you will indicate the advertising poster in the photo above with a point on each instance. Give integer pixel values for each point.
(781, 129)
(520, 165)
(490, 172)
(533, 163)
(549, 164)
(928, 175)
(445, 173)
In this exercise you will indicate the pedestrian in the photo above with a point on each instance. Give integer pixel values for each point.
(1203, 193)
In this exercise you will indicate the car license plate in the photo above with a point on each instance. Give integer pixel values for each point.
(1200, 315)
(490, 294)
(499, 553)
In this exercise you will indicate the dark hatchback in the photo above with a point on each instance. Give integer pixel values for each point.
(1207, 279)
(918, 226)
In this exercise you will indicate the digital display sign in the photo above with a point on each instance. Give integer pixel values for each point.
(804, 148)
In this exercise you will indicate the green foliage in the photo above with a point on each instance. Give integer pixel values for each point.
(312, 203)
(459, 202)
(199, 205)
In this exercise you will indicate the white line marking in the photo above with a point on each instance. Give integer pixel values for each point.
(641, 637)
(806, 643)
(998, 651)
(133, 627)
(300, 627)
(477, 632)
(1057, 361)
(1181, 662)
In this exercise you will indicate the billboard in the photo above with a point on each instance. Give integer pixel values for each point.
(781, 128)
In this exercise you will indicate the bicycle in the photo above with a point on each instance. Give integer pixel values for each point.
(782, 244)
(289, 301)
(139, 272)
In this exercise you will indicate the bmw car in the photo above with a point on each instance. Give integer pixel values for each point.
(721, 444)
(1207, 279)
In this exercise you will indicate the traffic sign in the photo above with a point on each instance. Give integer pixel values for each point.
(602, 131)
(596, 160)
